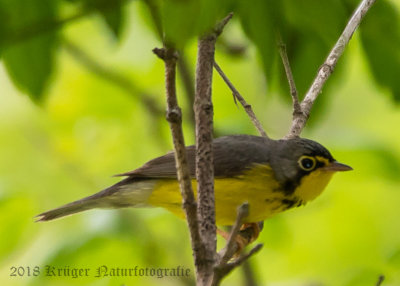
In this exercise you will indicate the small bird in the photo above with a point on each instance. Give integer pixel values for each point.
(270, 175)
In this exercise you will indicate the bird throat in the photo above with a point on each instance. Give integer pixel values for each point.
(312, 185)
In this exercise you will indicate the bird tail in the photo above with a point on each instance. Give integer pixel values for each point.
(129, 192)
(68, 209)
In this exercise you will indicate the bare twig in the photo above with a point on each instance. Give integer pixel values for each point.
(222, 266)
(380, 280)
(221, 270)
(327, 68)
(174, 117)
(289, 75)
(221, 25)
(204, 152)
(114, 77)
(227, 253)
(244, 257)
(239, 97)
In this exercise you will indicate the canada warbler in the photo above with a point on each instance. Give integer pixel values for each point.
(270, 175)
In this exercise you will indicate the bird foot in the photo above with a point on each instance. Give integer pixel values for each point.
(251, 231)
(248, 233)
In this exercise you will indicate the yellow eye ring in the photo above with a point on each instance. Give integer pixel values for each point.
(307, 163)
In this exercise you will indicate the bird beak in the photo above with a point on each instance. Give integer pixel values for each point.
(335, 166)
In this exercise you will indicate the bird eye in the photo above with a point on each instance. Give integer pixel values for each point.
(307, 163)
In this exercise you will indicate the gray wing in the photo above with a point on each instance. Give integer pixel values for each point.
(232, 155)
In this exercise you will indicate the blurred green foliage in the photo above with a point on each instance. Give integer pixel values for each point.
(382, 48)
(29, 63)
(308, 27)
(87, 128)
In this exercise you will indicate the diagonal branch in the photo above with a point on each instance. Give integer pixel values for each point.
(223, 267)
(231, 246)
(243, 102)
(300, 120)
(221, 270)
(289, 75)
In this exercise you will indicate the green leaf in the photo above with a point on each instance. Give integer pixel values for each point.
(29, 62)
(185, 19)
(115, 20)
(260, 21)
(380, 35)
(309, 29)
(110, 11)
(322, 19)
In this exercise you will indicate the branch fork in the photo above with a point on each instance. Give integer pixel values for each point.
(301, 116)
(226, 261)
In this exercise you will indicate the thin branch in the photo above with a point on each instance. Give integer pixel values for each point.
(289, 75)
(327, 68)
(174, 117)
(223, 267)
(231, 246)
(239, 97)
(114, 77)
(380, 280)
(221, 270)
(221, 25)
(244, 257)
(203, 108)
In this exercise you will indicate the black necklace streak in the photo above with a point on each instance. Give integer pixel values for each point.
(290, 203)
(289, 187)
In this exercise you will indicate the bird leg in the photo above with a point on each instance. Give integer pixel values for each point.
(248, 233)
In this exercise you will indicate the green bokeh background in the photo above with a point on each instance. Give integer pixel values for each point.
(88, 129)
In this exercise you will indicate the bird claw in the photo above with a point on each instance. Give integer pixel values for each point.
(248, 233)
